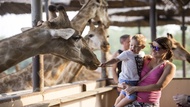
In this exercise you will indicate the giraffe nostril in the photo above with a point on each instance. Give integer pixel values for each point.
(105, 47)
(105, 44)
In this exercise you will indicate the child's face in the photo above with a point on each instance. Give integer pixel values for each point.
(135, 46)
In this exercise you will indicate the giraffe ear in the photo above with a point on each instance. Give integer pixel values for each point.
(63, 33)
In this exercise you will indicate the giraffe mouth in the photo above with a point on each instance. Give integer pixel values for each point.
(105, 48)
(92, 66)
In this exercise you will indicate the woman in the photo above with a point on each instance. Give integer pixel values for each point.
(156, 74)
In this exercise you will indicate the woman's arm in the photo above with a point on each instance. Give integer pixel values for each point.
(164, 80)
(167, 76)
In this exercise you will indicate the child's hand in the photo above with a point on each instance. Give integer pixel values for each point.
(122, 85)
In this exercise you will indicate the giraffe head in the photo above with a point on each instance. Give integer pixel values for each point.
(57, 37)
(75, 48)
(179, 52)
(100, 10)
(97, 37)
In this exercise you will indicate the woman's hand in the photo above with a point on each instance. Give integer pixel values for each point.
(126, 87)
(129, 89)
(121, 85)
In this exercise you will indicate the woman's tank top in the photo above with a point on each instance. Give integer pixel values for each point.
(151, 78)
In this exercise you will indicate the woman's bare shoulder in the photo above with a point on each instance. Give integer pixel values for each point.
(170, 65)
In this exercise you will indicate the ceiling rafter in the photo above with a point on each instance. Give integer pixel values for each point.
(135, 8)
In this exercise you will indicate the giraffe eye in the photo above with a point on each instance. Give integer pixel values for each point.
(108, 36)
(173, 48)
(76, 38)
(91, 35)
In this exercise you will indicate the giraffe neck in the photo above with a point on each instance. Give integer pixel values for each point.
(23, 80)
(55, 64)
(81, 19)
(22, 46)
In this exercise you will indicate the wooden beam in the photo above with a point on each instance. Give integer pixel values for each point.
(145, 23)
(127, 3)
(169, 13)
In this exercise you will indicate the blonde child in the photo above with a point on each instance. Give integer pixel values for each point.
(132, 62)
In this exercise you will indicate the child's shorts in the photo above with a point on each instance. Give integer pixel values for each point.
(132, 96)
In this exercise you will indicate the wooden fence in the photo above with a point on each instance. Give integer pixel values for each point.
(98, 93)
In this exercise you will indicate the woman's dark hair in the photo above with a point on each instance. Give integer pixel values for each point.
(165, 43)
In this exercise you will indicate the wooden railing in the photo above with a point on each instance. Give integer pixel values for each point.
(98, 93)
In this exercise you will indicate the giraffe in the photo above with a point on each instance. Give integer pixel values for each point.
(91, 9)
(97, 37)
(66, 43)
(99, 31)
(72, 74)
(51, 61)
(3, 74)
(180, 53)
(25, 76)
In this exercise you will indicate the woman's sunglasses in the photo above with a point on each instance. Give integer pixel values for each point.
(156, 48)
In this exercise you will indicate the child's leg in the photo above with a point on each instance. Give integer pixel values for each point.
(121, 93)
(119, 98)
(124, 102)
(127, 100)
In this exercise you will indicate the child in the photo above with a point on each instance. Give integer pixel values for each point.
(116, 68)
(132, 62)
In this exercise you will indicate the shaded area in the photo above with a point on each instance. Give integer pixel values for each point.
(122, 13)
